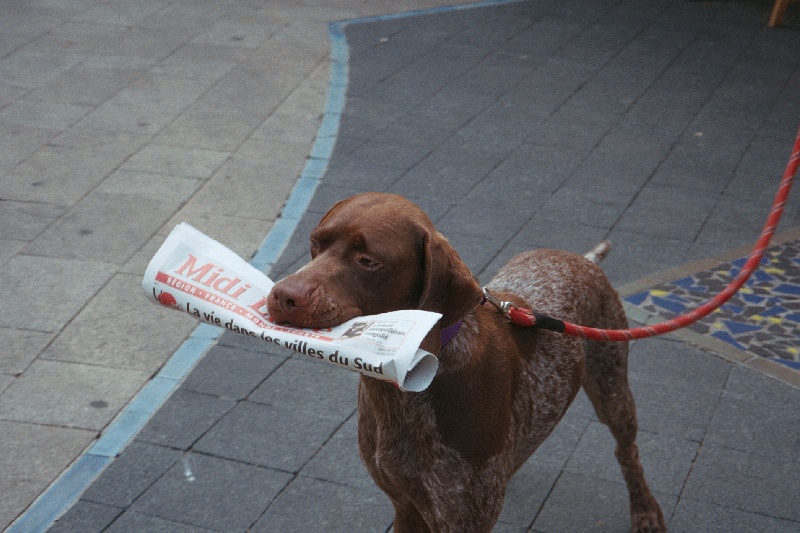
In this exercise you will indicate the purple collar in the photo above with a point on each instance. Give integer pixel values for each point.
(449, 332)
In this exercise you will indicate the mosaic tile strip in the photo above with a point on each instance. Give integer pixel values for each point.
(763, 318)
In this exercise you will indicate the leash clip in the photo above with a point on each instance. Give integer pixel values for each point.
(502, 306)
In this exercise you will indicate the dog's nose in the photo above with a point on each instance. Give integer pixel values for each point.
(287, 297)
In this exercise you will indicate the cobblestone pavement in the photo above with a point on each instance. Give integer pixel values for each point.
(664, 127)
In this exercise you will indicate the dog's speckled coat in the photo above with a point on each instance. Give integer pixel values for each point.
(445, 455)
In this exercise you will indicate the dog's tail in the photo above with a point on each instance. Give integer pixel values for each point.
(599, 252)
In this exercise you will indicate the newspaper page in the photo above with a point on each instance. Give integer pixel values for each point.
(193, 273)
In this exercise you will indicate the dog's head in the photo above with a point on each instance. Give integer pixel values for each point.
(374, 253)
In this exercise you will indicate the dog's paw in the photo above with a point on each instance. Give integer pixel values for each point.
(651, 521)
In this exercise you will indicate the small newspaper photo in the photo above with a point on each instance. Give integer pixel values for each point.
(195, 274)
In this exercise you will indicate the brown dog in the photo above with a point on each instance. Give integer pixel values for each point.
(445, 455)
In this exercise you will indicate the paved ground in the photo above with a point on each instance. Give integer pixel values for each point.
(664, 127)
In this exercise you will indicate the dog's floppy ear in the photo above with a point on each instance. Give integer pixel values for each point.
(449, 288)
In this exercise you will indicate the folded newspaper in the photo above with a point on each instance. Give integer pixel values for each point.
(193, 273)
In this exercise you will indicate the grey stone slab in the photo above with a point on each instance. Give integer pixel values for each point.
(19, 142)
(582, 503)
(756, 415)
(133, 522)
(336, 508)
(338, 460)
(25, 220)
(693, 515)
(104, 227)
(746, 481)
(20, 347)
(86, 517)
(176, 161)
(210, 127)
(304, 383)
(668, 222)
(443, 171)
(31, 456)
(185, 417)
(667, 460)
(67, 394)
(30, 70)
(213, 493)
(284, 437)
(69, 166)
(244, 371)
(122, 13)
(128, 476)
(238, 34)
(146, 106)
(43, 114)
(638, 255)
(93, 336)
(85, 85)
(175, 189)
(526, 493)
(222, 193)
(676, 387)
(53, 290)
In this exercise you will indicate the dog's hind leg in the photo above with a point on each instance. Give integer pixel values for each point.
(606, 384)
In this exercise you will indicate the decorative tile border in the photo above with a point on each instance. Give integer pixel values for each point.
(759, 326)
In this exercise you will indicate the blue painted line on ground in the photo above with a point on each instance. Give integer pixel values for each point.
(66, 490)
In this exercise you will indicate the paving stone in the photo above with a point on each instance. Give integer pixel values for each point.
(242, 234)
(239, 34)
(338, 460)
(41, 281)
(658, 370)
(31, 455)
(32, 69)
(126, 14)
(213, 493)
(133, 522)
(86, 85)
(693, 515)
(26, 220)
(336, 508)
(185, 417)
(93, 336)
(637, 255)
(281, 437)
(667, 460)
(581, 503)
(50, 115)
(176, 161)
(72, 395)
(746, 481)
(86, 517)
(756, 415)
(244, 371)
(69, 166)
(146, 106)
(221, 193)
(103, 227)
(320, 385)
(19, 142)
(173, 189)
(20, 348)
(134, 471)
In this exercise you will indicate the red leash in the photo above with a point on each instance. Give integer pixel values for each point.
(525, 317)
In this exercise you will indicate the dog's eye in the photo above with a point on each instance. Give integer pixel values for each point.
(314, 247)
(367, 263)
